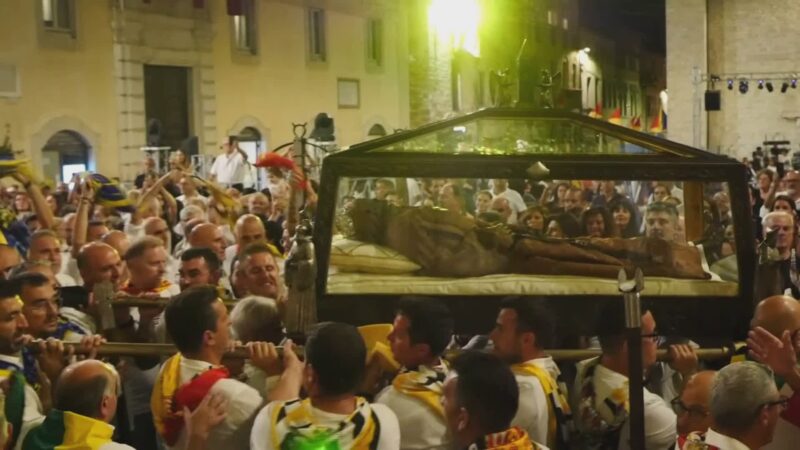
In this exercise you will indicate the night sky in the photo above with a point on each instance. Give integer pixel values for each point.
(644, 16)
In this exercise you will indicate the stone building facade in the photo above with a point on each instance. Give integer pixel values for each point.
(740, 41)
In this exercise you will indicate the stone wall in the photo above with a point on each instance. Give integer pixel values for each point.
(742, 39)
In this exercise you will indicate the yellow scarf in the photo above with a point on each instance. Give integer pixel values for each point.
(514, 438)
(424, 384)
(294, 420)
(557, 405)
(85, 433)
(167, 383)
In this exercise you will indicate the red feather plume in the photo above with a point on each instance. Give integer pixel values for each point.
(273, 159)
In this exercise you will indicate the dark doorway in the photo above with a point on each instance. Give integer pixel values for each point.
(166, 99)
(65, 153)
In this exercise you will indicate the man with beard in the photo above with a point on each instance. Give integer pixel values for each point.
(199, 267)
(41, 308)
(28, 395)
(12, 326)
(524, 329)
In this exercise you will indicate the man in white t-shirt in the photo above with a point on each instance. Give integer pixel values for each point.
(229, 167)
(500, 189)
(335, 357)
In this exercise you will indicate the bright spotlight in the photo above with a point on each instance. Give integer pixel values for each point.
(457, 22)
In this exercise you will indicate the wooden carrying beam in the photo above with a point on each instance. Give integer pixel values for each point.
(138, 349)
(137, 302)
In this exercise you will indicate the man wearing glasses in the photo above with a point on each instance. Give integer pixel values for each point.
(744, 407)
(692, 405)
(601, 389)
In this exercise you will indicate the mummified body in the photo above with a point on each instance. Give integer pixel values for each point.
(451, 245)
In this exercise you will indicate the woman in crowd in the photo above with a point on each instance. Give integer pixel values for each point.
(483, 202)
(22, 205)
(555, 200)
(178, 161)
(563, 226)
(595, 222)
(533, 219)
(626, 218)
(660, 193)
(784, 203)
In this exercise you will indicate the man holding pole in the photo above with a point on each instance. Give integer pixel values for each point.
(198, 323)
(601, 401)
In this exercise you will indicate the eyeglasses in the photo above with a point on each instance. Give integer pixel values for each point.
(681, 408)
(781, 402)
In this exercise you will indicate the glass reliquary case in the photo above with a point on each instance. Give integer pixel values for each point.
(540, 203)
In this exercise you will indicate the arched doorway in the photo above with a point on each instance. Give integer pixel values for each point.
(65, 153)
(252, 143)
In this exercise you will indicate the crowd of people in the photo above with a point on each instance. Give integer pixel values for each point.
(198, 242)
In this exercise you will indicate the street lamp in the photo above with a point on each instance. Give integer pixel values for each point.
(583, 55)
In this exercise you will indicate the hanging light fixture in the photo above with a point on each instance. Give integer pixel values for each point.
(744, 86)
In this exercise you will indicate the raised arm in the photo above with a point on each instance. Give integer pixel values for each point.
(43, 212)
(81, 226)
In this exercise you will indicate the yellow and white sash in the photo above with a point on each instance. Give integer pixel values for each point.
(294, 426)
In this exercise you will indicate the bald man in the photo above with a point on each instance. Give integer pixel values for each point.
(118, 240)
(85, 398)
(776, 315)
(99, 262)
(692, 407)
(502, 206)
(210, 236)
(249, 229)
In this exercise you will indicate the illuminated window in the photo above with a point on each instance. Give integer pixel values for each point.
(552, 17)
(316, 35)
(565, 23)
(375, 42)
(244, 29)
(59, 15)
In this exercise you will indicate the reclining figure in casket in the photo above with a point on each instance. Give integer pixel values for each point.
(447, 244)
